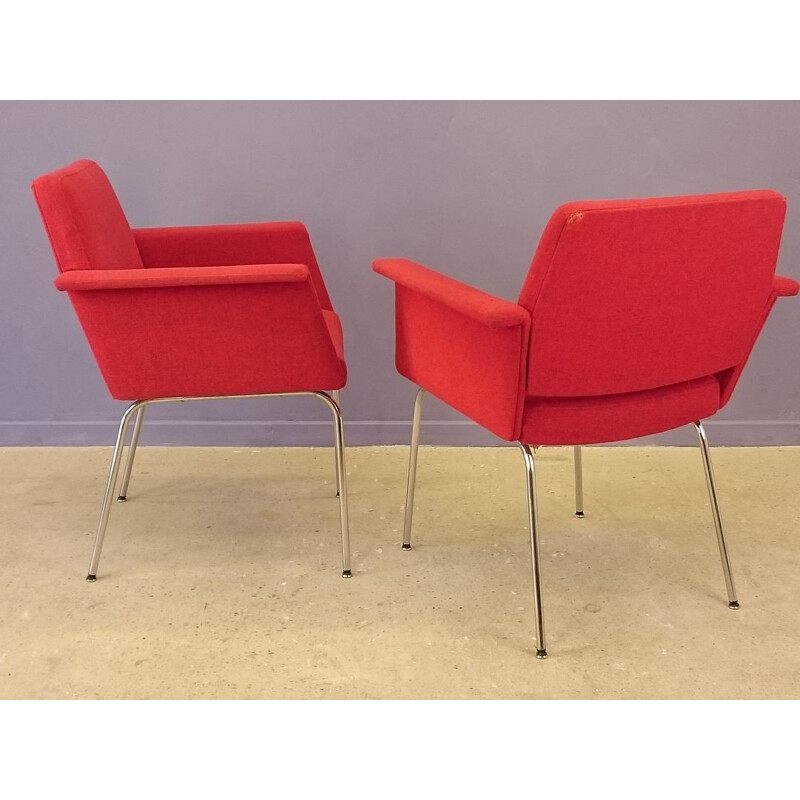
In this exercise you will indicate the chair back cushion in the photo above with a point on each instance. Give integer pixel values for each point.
(631, 295)
(85, 223)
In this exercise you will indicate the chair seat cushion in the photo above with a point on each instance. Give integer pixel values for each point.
(614, 418)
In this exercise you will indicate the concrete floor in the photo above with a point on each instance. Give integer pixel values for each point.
(220, 577)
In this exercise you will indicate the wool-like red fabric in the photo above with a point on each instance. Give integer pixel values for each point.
(596, 419)
(170, 277)
(641, 315)
(463, 345)
(205, 340)
(336, 333)
(224, 245)
(85, 223)
(781, 287)
(655, 292)
(242, 309)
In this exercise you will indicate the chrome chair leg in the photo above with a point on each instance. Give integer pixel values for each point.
(113, 473)
(139, 405)
(412, 469)
(578, 482)
(335, 395)
(712, 496)
(533, 521)
(341, 481)
(126, 476)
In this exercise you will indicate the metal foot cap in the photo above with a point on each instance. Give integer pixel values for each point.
(91, 578)
(733, 604)
(337, 494)
(580, 514)
(122, 498)
(541, 654)
(406, 547)
(346, 573)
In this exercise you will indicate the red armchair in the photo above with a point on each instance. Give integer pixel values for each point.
(636, 317)
(193, 313)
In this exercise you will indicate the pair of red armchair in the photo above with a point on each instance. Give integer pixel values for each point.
(636, 317)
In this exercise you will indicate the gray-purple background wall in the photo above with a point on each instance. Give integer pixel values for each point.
(463, 187)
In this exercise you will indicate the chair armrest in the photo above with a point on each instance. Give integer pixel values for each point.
(227, 245)
(169, 277)
(484, 308)
(462, 345)
(785, 287)
(206, 331)
(781, 287)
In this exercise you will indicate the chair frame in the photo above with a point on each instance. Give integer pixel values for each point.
(533, 513)
(138, 409)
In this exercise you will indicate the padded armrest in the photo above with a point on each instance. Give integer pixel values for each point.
(785, 287)
(203, 331)
(485, 308)
(170, 277)
(462, 345)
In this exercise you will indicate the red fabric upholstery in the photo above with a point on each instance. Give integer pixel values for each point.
(781, 287)
(464, 346)
(642, 314)
(595, 419)
(169, 277)
(656, 292)
(85, 223)
(336, 333)
(194, 328)
(225, 245)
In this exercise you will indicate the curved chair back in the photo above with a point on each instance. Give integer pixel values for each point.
(85, 223)
(633, 295)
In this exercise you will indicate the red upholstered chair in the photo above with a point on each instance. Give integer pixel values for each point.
(195, 313)
(636, 317)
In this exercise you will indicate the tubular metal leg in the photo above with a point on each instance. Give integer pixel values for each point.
(341, 480)
(578, 482)
(335, 395)
(126, 476)
(113, 473)
(712, 496)
(139, 405)
(412, 469)
(533, 520)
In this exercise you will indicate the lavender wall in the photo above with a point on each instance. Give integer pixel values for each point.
(464, 187)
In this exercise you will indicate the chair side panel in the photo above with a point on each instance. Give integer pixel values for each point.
(476, 369)
(210, 340)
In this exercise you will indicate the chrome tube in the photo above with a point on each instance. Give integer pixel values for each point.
(533, 521)
(341, 480)
(578, 482)
(335, 395)
(113, 473)
(712, 496)
(126, 476)
(412, 468)
(138, 407)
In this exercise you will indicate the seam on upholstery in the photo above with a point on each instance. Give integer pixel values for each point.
(47, 229)
(734, 379)
(548, 271)
(688, 200)
(522, 379)
(71, 211)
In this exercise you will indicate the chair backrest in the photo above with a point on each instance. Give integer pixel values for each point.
(85, 223)
(631, 295)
